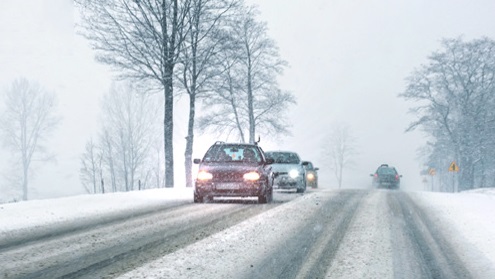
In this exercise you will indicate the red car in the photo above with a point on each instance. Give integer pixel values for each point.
(234, 170)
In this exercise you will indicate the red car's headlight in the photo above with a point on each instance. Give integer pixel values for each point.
(204, 175)
(252, 176)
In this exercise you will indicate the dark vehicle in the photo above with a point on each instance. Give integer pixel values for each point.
(234, 170)
(386, 177)
(311, 174)
(288, 170)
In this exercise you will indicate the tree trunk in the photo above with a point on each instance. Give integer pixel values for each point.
(124, 160)
(112, 175)
(250, 106)
(168, 129)
(94, 182)
(25, 183)
(101, 173)
(234, 109)
(192, 111)
(190, 138)
(158, 169)
(168, 55)
(132, 177)
(110, 163)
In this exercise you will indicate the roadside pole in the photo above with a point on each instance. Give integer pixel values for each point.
(454, 169)
(454, 190)
(432, 172)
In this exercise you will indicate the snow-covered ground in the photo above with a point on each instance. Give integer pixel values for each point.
(469, 214)
(28, 218)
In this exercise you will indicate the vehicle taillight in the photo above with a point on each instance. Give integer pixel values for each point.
(376, 175)
(396, 177)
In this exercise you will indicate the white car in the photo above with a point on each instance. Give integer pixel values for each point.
(288, 170)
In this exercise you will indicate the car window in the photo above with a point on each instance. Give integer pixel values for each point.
(309, 166)
(385, 171)
(284, 157)
(232, 153)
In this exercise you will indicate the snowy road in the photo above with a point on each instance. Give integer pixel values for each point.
(122, 245)
(321, 234)
(329, 234)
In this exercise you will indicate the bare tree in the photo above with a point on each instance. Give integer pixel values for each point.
(198, 67)
(225, 103)
(157, 165)
(108, 157)
(270, 111)
(141, 40)
(91, 171)
(261, 65)
(340, 146)
(455, 100)
(29, 118)
(248, 96)
(129, 126)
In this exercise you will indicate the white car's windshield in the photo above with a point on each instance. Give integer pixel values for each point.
(284, 157)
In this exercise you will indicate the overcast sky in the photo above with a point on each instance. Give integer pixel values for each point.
(348, 62)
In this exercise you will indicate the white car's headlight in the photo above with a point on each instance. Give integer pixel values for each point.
(293, 173)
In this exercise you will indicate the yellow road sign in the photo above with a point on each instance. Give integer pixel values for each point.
(453, 167)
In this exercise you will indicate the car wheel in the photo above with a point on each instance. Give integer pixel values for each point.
(301, 187)
(269, 196)
(262, 198)
(198, 198)
(266, 197)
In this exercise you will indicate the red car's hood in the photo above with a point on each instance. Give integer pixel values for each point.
(234, 167)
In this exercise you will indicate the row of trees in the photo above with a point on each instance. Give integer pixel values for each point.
(214, 51)
(124, 155)
(126, 152)
(455, 97)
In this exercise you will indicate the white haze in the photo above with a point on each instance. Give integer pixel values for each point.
(348, 62)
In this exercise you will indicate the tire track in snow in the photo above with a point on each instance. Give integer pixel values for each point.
(425, 252)
(310, 250)
(120, 246)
